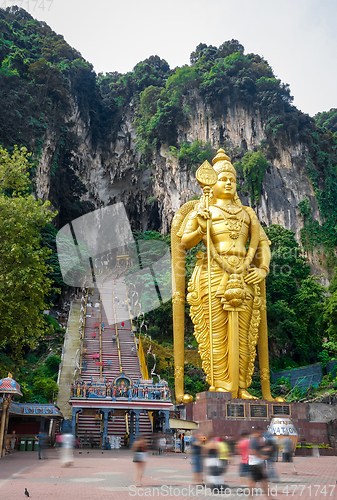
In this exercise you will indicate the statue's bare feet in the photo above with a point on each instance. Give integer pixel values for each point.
(243, 394)
(269, 397)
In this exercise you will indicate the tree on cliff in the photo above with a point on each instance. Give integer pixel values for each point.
(23, 281)
(330, 310)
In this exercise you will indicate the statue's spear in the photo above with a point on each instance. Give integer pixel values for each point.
(207, 177)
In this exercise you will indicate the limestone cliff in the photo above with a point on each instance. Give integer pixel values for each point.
(98, 140)
(153, 195)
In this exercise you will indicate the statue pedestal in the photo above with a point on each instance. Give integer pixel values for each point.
(217, 413)
(209, 410)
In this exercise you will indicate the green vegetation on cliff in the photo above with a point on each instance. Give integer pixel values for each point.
(327, 120)
(40, 75)
(253, 167)
(321, 168)
(225, 77)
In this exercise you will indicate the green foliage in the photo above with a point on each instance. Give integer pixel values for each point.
(48, 240)
(294, 300)
(255, 388)
(150, 72)
(224, 75)
(193, 155)
(182, 79)
(40, 74)
(194, 380)
(286, 382)
(321, 167)
(23, 280)
(204, 52)
(6, 364)
(154, 332)
(51, 322)
(47, 387)
(323, 357)
(158, 115)
(38, 374)
(37, 371)
(253, 166)
(151, 199)
(330, 316)
(331, 348)
(327, 120)
(52, 364)
(296, 394)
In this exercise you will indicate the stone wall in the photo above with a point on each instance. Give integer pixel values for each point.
(211, 412)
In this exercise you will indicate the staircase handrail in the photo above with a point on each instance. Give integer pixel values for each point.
(141, 360)
(83, 328)
(116, 329)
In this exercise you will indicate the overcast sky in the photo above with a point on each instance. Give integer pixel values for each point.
(297, 37)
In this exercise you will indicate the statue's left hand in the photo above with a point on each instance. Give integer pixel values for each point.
(255, 275)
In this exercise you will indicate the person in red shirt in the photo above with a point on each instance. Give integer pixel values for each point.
(243, 450)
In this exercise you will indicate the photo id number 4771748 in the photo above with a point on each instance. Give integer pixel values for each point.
(29, 5)
(309, 490)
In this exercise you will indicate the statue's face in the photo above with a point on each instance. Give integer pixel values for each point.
(225, 188)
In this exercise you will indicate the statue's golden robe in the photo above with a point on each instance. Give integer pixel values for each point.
(249, 321)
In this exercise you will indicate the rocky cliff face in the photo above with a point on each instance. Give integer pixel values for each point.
(153, 195)
(82, 130)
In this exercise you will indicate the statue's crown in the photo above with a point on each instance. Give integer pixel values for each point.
(222, 163)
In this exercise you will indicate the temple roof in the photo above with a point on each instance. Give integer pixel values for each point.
(9, 386)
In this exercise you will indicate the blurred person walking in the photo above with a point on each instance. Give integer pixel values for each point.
(256, 461)
(197, 458)
(161, 445)
(139, 458)
(243, 451)
(288, 452)
(213, 465)
(68, 442)
(223, 453)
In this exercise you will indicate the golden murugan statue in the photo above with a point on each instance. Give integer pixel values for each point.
(227, 287)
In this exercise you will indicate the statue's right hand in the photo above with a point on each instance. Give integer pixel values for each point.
(202, 216)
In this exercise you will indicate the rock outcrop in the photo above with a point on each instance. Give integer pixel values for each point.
(152, 195)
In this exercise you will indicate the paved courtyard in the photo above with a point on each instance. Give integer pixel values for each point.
(111, 475)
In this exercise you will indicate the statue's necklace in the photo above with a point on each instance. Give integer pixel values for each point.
(232, 223)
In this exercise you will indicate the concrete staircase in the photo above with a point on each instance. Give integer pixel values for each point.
(71, 346)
